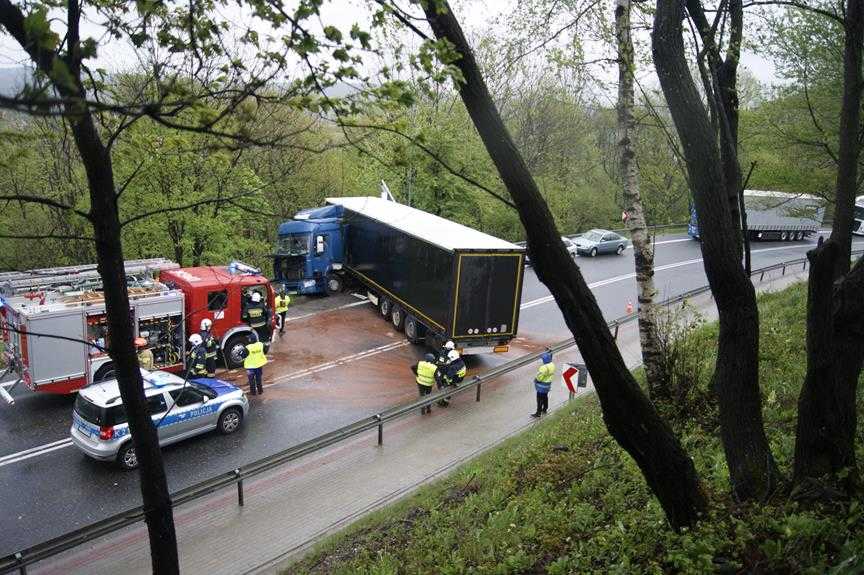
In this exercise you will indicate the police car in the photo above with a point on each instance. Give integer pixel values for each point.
(179, 410)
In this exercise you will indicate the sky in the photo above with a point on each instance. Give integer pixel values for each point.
(474, 14)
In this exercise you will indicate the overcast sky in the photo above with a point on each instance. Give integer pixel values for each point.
(475, 15)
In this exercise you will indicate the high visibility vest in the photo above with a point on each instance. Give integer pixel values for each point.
(256, 316)
(545, 373)
(256, 357)
(463, 371)
(426, 373)
(282, 302)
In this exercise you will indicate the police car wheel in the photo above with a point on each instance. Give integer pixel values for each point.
(126, 457)
(230, 421)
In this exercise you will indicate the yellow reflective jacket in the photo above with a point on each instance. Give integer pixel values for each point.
(426, 373)
(256, 357)
(282, 302)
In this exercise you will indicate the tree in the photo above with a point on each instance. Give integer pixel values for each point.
(643, 252)
(629, 415)
(752, 469)
(827, 409)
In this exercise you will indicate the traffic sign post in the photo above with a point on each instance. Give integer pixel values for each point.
(575, 376)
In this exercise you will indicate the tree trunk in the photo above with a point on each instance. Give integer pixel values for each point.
(105, 219)
(827, 416)
(652, 356)
(627, 412)
(752, 469)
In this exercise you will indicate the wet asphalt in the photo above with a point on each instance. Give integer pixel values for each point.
(336, 363)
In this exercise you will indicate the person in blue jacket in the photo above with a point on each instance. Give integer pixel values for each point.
(543, 383)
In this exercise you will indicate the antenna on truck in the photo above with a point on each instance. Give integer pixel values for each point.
(385, 192)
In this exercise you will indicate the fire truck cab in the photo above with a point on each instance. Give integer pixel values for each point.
(218, 293)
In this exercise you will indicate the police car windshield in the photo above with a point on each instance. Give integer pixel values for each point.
(203, 388)
(293, 245)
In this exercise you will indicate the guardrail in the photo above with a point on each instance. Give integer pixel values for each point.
(21, 559)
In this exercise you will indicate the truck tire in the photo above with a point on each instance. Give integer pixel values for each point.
(397, 318)
(105, 372)
(333, 283)
(385, 307)
(784, 236)
(232, 350)
(414, 330)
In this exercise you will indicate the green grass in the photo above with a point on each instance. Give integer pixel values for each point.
(564, 498)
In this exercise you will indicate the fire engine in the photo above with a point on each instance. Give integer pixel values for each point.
(54, 325)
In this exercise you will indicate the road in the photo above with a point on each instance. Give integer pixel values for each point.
(338, 362)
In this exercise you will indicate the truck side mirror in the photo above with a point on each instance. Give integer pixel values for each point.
(319, 244)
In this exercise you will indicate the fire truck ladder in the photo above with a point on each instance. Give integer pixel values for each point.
(137, 271)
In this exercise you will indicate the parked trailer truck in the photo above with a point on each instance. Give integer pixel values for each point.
(68, 302)
(431, 277)
(776, 216)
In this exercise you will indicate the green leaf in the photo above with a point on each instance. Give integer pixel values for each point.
(332, 33)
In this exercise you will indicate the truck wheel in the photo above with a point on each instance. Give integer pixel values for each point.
(230, 421)
(413, 329)
(784, 236)
(799, 236)
(104, 373)
(334, 284)
(126, 457)
(385, 307)
(397, 317)
(233, 350)
(593, 252)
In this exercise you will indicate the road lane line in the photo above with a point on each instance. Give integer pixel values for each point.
(319, 312)
(34, 452)
(337, 362)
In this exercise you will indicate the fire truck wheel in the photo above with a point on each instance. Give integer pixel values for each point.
(233, 350)
(104, 373)
(126, 457)
(230, 421)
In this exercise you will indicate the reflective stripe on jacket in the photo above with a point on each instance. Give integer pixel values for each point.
(196, 361)
(426, 373)
(211, 346)
(256, 357)
(256, 315)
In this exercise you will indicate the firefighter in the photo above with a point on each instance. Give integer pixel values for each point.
(282, 303)
(145, 354)
(254, 360)
(211, 346)
(427, 374)
(456, 369)
(256, 314)
(543, 383)
(445, 351)
(196, 364)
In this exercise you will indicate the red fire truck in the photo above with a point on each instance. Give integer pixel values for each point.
(67, 302)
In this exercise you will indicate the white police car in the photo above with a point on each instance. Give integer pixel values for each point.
(179, 411)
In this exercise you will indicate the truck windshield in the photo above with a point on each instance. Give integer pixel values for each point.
(293, 245)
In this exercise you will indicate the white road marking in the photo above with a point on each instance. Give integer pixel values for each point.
(314, 313)
(338, 362)
(34, 452)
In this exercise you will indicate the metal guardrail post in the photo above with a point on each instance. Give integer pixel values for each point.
(22, 569)
(615, 336)
(380, 429)
(784, 270)
(239, 487)
(478, 392)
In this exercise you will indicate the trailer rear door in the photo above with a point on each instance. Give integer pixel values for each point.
(489, 290)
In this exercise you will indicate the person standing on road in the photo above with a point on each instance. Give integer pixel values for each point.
(282, 303)
(543, 383)
(427, 374)
(195, 363)
(256, 314)
(254, 360)
(211, 346)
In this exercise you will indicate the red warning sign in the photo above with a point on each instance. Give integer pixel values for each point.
(569, 374)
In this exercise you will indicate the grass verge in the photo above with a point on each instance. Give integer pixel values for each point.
(564, 498)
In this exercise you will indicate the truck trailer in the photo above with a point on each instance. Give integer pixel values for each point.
(431, 277)
(54, 327)
(776, 216)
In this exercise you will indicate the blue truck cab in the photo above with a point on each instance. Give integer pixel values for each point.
(309, 249)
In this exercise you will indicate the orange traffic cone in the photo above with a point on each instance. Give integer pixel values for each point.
(629, 307)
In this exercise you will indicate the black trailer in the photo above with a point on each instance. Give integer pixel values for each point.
(432, 277)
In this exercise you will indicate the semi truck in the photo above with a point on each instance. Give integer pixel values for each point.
(432, 278)
(54, 327)
(776, 216)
